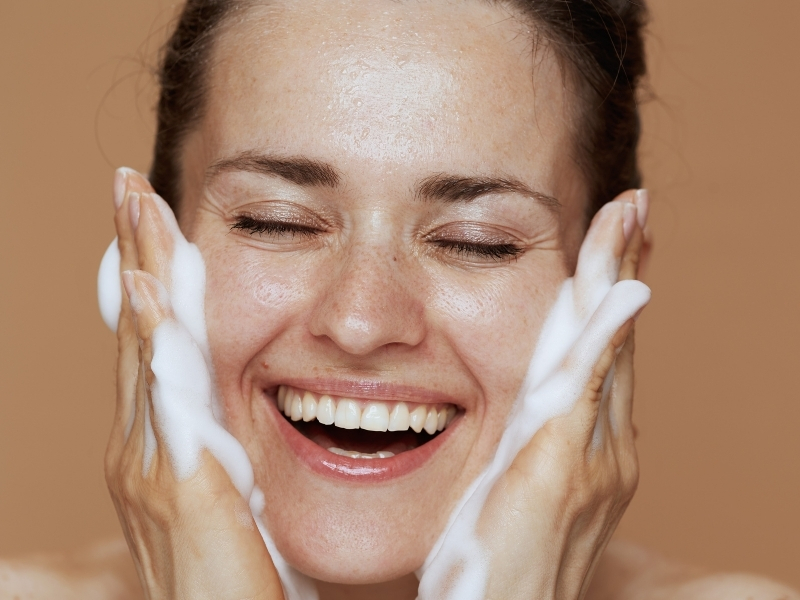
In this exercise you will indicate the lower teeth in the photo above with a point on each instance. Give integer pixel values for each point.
(354, 454)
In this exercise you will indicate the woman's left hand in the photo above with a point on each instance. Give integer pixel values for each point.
(549, 517)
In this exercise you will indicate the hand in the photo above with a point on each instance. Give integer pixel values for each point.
(189, 528)
(538, 520)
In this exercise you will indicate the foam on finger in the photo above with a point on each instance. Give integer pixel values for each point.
(109, 288)
(569, 346)
(601, 254)
(188, 418)
(186, 411)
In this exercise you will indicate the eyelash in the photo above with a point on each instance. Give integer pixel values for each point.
(495, 252)
(272, 228)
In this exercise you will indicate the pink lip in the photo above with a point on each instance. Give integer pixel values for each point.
(372, 390)
(354, 470)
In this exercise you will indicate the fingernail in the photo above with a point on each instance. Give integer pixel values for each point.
(133, 205)
(120, 182)
(643, 206)
(628, 220)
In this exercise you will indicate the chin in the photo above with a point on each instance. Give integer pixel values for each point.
(358, 487)
(343, 547)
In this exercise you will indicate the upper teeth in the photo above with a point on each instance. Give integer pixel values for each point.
(303, 405)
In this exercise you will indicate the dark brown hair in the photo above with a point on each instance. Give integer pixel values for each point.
(600, 42)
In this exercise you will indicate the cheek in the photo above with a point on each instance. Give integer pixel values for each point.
(249, 302)
(494, 325)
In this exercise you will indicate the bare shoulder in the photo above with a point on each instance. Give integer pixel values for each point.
(102, 571)
(733, 586)
(630, 572)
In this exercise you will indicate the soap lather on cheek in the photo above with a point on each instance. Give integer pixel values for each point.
(183, 394)
(548, 391)
(183, 400)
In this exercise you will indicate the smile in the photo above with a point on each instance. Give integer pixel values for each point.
(357, 437)
(302, 405)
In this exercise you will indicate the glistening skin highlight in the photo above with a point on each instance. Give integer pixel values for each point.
(182, 400)
(370, 276)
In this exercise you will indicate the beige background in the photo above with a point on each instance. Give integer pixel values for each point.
(719, 349)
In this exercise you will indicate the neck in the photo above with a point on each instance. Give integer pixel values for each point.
(404, 588)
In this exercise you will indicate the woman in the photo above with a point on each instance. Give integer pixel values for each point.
(388, 198)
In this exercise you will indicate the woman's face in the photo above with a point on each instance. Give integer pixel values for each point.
(386, 202)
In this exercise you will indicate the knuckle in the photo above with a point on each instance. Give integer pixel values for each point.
(110, 471)
(583, 494)
(631, 481)
(629, 475)
(128, 485)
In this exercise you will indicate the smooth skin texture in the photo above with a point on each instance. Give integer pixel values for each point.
(374, 286)
(389, 99)
(190, 540)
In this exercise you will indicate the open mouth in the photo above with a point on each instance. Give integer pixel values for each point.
(363, 429)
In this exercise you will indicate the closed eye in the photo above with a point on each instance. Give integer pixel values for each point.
(271, 228)
(496, 252)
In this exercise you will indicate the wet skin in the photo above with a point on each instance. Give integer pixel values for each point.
(387, 290)
(367, 279)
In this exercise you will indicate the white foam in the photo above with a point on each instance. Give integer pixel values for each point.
(109, 289)
(183, 394)
(548, 391)
(187, 413)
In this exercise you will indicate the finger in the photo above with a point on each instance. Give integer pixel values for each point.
(151, 307)
(602, 251)
(623, 440)
(646, 252)
(176, 378)
(175, 387)
(596, 395)
(177, 263)
(592, 356)
(604, 429)
(183, 392)
(155, 240)
(629, 266)
(127, 184)
(621, 393)
(128, 187)
(618, 389)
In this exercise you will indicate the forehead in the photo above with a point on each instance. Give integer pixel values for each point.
(393, 85)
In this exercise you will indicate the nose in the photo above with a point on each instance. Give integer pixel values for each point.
(369, 302)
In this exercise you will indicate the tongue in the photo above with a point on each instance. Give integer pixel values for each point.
(360, 440)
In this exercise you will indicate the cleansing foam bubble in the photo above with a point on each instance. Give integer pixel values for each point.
(109, 290)
(549, 390)
(183, 392)
(184, 402)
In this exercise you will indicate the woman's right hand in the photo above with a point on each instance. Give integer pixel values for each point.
(190, 538)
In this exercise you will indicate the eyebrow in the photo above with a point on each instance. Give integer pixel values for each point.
(448, 188)
(296, 169)
(440, 187)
